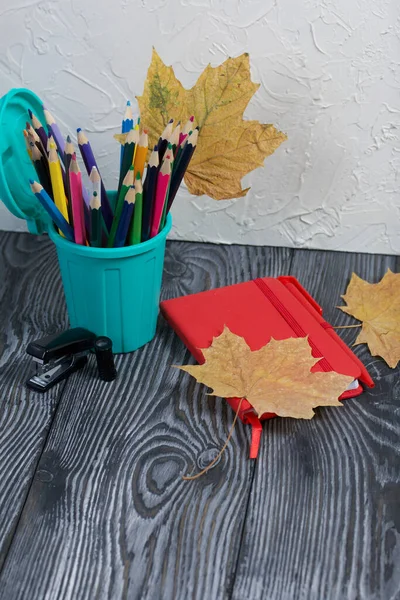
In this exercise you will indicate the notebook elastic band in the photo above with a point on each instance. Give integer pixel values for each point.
(291, 321)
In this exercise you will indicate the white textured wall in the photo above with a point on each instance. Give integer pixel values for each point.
(330, 78)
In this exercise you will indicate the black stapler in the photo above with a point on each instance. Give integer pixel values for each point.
(57, 356)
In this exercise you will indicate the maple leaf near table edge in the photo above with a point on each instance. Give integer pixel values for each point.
(377, 305)
(277, 378)
(228, 146)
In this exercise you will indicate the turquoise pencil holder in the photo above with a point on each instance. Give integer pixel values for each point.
(110, 291)
(114, 291)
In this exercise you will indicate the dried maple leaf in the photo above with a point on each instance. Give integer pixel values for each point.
(377, 305)
(228, 147)
(275, 379)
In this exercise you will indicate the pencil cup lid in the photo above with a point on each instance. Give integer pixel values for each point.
(15, 165)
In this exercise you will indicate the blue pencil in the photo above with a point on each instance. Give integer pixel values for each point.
(54, 130)
(127, 123)
(52, 209)
(125, 219)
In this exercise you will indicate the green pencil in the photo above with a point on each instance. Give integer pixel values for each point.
(126, 184)
(136, 230)
(96, 221)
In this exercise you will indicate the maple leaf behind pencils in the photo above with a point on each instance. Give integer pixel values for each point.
(275, 379)
(228, 146)
(377, 305)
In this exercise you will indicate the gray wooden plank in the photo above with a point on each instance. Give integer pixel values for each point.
(323, 517)
(108, 515)
(31, 304)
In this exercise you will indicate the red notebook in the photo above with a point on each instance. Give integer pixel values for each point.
(258, 310)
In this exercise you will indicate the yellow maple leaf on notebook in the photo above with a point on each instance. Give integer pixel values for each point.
(228, 146)
(275, 379)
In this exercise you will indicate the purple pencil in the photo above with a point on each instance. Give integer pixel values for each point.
(38, 127)
(54, 130)
(90, 162)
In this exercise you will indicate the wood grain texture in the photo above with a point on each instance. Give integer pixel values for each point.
(323, 519)
(31, 304)
(108, 515)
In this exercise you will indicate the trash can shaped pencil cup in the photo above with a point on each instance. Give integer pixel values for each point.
(110, 291)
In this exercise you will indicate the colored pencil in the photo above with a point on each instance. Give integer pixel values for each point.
(163, 140)
(131, 141)
(75, 184)
(136, 227)
(127, 124)
(149, 188)
(55, 132)
(141, 153)
(126, 185)
(52, 209)
(96, 220)
(38, 127)
(42, 169)
(68, 152)
(179, 172)
(57, 181)
(180, 149)
(126, 216)
(174, 138)
(33, 137)
(188, 127)
(95, 180)
(28, 147)
(163, 178)
(90, 162)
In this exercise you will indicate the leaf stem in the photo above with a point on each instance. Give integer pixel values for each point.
(346, 326)
(220, 453)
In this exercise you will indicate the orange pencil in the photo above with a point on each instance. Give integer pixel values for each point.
(140, 154)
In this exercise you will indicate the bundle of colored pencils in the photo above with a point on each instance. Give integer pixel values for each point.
(145, 192)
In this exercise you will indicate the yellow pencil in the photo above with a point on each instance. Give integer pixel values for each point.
(57, 182)
(141, 153)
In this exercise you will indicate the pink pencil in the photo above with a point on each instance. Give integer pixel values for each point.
(163, 178)
(75, 182)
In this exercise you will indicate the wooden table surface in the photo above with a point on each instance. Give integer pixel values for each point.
(92, 504)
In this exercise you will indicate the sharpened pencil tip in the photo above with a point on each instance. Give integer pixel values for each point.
(128, 102)
(191, 119)
(31, 181)
(79, 129)
(30, 113)
(95, 194)
(155, 149)
(169, 146)
(68, 139)
(138, 176)
(171, 121)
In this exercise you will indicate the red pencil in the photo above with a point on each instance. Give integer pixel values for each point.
(163, 180)
(75, 182)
